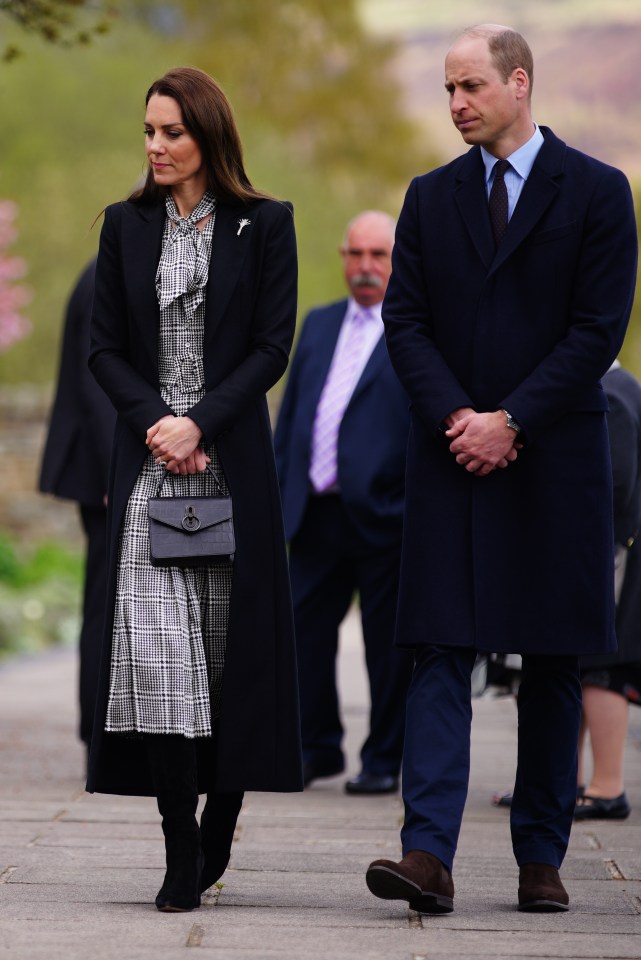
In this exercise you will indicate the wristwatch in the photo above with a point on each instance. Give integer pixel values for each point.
(511, 422)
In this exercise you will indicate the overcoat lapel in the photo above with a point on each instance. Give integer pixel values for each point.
(142, 247)
(539, 191)
(229, 249)
(471, 199)
(142, 242)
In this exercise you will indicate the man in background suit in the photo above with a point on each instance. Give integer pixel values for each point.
(340, 451)
(75, 466)
(513, 278)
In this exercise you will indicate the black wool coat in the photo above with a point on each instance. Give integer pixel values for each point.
(249, 326)
(75, 461)
(521, 560)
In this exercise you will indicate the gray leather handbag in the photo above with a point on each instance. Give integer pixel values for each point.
(190, 531)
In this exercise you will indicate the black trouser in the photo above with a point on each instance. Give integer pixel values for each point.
(329, 563)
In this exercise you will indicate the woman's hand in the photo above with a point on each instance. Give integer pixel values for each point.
(174, 441)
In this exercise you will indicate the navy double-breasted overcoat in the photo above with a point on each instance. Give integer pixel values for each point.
(520, 560)
(249, 326)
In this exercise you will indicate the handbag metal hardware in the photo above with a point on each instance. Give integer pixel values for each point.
(190, 523)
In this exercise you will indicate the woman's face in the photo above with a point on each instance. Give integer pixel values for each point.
(174, 156)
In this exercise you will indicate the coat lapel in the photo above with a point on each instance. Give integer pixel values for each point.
(471, 199)
(142, 244)
(538, 193)
(540, 190)
(229, 249)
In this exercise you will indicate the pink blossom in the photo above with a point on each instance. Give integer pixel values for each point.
(13, 296)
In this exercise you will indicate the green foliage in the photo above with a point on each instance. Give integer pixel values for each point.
(56, 21)
(630, 355)
(39, 597)
(45, 561)
(319, 114)
(9, 566)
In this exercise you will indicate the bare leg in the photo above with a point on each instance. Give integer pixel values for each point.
(606, 719)
(583, 731)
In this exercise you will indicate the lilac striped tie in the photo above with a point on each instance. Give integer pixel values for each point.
(334, 398)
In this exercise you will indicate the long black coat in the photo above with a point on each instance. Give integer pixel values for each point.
(249, 326)
(520, 560)
(75, 462)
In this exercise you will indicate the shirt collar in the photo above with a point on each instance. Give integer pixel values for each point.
(375, 311)
(522, 160)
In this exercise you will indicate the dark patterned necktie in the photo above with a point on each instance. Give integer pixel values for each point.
(498, 201)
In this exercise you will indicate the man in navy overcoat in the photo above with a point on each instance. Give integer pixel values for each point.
(340, 443)
(505, 308)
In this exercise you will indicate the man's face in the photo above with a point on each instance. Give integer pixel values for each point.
(484, 109)
(367, 259)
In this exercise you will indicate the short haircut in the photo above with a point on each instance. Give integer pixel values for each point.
(508, 49)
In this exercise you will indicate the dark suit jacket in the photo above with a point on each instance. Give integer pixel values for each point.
(372, 439)
(75, 463)
(519, 560)
(249, 326)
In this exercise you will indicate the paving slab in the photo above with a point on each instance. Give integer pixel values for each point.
(79, 873)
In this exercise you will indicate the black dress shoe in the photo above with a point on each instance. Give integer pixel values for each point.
(315, 771)
(599, 808)
(371, 783)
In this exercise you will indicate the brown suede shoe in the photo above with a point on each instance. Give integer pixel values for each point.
(540, 889)
(419, 878)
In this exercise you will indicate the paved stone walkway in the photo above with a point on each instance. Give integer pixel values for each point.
(78, 874)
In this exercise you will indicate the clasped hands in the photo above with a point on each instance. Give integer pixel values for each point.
(175, 441)
(481, 442)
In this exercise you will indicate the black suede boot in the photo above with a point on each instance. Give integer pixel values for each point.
(217, 825)
(172, 760)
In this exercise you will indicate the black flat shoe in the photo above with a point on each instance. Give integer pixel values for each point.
(599, 808)
(371, 783)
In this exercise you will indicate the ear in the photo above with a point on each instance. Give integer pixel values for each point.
(521, 82)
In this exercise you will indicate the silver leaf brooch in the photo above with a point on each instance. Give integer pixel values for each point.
(241, 224)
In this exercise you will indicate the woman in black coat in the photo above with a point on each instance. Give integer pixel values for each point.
(193, 320)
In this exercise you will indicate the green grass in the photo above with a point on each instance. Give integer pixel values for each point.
(40, 591)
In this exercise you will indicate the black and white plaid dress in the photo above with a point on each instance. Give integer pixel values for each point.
(170, 624)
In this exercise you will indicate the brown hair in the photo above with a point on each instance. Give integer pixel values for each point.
(208, 116)
(508, 49)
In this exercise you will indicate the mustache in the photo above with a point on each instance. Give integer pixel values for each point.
(366, 280)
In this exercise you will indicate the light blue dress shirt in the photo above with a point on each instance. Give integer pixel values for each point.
(521, 163)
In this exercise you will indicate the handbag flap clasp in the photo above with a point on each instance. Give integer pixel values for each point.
(190, 515)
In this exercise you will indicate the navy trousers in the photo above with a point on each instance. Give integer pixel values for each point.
(436, 763)
(329, 563)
